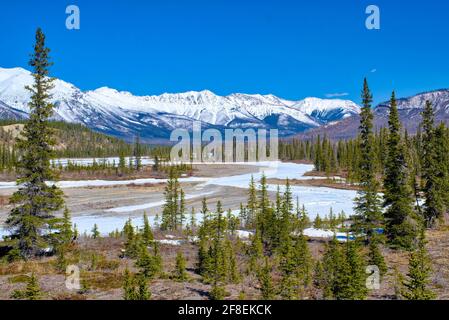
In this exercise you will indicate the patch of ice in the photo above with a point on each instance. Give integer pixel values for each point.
(170, 242)
(152, 204)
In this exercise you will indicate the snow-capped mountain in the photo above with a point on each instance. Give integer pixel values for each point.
(410, 110)
(124, 115)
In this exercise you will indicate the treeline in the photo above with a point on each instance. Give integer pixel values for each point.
(411, 171)
(75, 140)
(78, 141)
(8, 157)
(344, 157)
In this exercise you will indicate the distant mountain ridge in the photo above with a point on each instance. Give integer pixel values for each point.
(410, 110)
(124, 115)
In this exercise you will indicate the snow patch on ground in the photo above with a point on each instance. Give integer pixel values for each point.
(327, 234)
(243, 234)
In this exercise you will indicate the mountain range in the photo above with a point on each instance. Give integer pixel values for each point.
(124, 115)
(409, 109)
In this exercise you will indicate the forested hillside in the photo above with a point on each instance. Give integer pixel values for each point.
(72, 141)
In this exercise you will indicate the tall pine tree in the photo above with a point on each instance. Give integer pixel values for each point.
(401, 226)
(369, 215)
(433, 204)
(418, 275)
(32, 218)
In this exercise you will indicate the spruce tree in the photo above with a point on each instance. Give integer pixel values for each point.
(398, 284)
(75, 232)
(401, 227)
(266, 282)
(142, 293)
(157, 257)
(32, 290)
(61, 261)
(287, 264)
(95, 232)
(66, 232)
(266, 217)
(326, 272)
(375, 258)
(243, 215)
(216, 268)
(217, 248)
(357, 289)
(367, 203)
(181, 215)
(31, 219)
(233, 275)
(204, 230)
(341, 274)
(147, 233)
(217, 292)
(302, 218)
(172, 212)
(432, 204)
(282, 234)
(251, 211)
(192, 220)
(132, 240)
(129, 291)
(317, 223)
(156, 164)
(417, 284)
(146, 263)
(304, 262)
(289, 283)
(137, 153)
(320, 277)
(204, 259)
(122, 163)
(156, 222)
(180, 273)
(441, 171)
(256, 252)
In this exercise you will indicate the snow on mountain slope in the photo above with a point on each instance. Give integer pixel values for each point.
(325, 111)
(123, 114)
(410, 114)
(6, 112)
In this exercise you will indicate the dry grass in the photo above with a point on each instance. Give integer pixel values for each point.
(4, 200)
(40, 267)
(102, 272)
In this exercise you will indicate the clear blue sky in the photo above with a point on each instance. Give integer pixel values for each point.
(290, 48)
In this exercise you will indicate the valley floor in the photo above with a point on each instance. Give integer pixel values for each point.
(109, 203)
